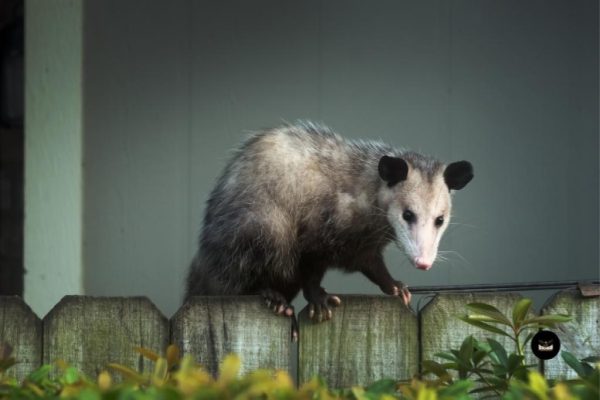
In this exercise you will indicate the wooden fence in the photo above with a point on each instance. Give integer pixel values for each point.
(369, 337)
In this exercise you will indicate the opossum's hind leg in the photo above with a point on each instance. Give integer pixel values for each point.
(280, 306)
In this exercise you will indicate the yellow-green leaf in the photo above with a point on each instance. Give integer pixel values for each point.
(127, 372)
(149, 354)
(547, 320)
(104, 381)
(538, 385)
(483, 325)
(229, 368)
(161, 370)
(520, 310)
(172, 355)
(490, 311)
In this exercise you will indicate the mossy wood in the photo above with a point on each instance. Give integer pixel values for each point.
(21, 329)
(90, 332)
(580, 336)
(368, 338)
(441, 329)
(210, 327)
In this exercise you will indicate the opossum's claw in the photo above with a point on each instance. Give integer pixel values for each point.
(295, 329)
(334, 300)
(321, 310)
(399, 289)
(277, 303)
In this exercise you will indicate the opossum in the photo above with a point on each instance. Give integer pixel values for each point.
(299, 199)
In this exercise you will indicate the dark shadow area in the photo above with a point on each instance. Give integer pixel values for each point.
(11, 146)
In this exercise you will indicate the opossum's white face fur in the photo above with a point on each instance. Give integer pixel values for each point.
(418, 203)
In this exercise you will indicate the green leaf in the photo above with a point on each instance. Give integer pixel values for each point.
(456, 389)
(40, 373)
(71, 376)
(499, 351)
(382, 386)
(89, 394)
(466, 350)
(483, 325)
(547, 320)
(520, 310)
(528, 338)
(574, 363)
(514, 361)
(497, 382)
(478, 356)
(489, 311)
(437, 369)
(483, 389)
(445, 356)
(591, 359)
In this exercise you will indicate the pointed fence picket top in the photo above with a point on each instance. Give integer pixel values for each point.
(369, 338)
(580, 336)
(20, 329)
(210, 327)
(441, 330)
(90, 332)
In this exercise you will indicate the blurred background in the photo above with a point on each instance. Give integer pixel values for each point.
(132, 108)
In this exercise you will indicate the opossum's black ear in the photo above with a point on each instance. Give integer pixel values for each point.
(458, 174)
(392, 170)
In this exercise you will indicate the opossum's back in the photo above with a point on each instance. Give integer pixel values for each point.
(291, 162)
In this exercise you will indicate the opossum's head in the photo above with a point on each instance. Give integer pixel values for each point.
(416, 193)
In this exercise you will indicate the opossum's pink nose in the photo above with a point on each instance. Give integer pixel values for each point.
(422, 264)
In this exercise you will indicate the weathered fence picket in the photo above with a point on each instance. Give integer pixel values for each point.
(580, 336)
(22, 330)
(441, 330)
(90, 332)
(211, 327)
(368, 338)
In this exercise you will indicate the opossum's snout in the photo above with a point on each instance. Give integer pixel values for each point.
(419, 240)
(421, 263)
(419, 228)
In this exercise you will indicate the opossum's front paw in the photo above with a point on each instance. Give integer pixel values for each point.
(320, 310)
(398, 288)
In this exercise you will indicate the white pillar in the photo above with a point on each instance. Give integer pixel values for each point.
(53, 151)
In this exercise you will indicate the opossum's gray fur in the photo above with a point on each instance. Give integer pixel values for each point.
(288, 201)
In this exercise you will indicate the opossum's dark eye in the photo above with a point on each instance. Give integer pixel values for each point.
(409, 216)
(439, 221)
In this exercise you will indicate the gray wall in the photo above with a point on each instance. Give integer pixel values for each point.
(512, 86)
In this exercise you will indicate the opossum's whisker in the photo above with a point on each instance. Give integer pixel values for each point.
(462, 224)
(453, 252)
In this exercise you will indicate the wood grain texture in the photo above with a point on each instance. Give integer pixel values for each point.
(580, 336)
(22, 330)
(368, 338)
(210, 327)
(90, 332)
(441, 330)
